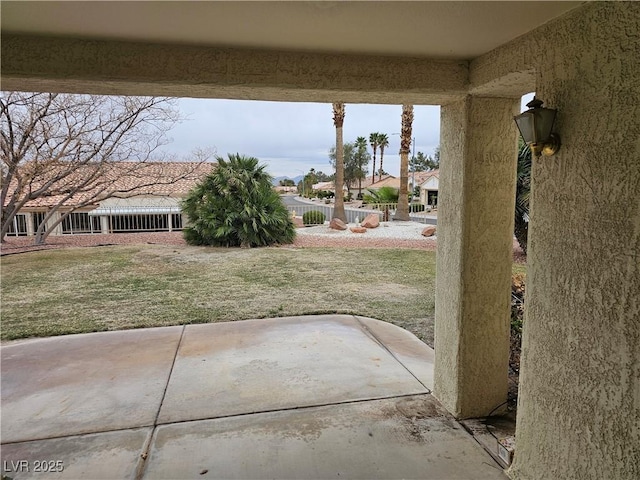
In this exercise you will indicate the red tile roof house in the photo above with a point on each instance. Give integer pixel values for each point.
(144, 198)
(428, 183)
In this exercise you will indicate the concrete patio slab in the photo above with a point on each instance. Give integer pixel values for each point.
(409, 437)
(107, 455)
(86, 383)
(408, 349)
(325, 396)
(261, 365)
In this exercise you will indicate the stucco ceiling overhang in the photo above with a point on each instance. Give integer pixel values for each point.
(437, 30)
(371, 52)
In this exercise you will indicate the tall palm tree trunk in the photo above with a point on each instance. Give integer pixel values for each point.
(373, 175)
(405, 146)
(338, 120)
(373, 140)
(383, 142)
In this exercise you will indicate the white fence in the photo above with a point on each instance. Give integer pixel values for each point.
(385, 212)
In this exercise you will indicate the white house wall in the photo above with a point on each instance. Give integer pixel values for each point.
(431, 184)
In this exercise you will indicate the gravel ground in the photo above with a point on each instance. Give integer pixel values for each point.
(387, 235)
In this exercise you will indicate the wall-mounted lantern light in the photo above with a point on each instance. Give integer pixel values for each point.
(535, 127)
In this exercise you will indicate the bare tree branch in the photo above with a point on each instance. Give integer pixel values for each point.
(68, 148)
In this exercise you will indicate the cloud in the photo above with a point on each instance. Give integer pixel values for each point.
(294, 137)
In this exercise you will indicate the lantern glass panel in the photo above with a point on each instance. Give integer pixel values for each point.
(526, 125)
(544, 123)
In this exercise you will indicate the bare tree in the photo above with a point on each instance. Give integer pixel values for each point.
(64, 148)
(402, 213)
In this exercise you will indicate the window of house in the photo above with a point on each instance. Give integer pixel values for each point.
(80, 222)
(176, 221)
(18, 227)
(139, 223)
(38, 218)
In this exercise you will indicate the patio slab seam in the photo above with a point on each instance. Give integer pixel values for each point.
(377, 340)
(293, 409)
(154, 426)
(173, 364)
(77, 435)
(144, 454)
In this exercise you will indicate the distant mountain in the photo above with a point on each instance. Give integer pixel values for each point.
(276, 180)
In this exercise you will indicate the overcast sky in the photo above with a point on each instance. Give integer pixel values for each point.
(291, 138)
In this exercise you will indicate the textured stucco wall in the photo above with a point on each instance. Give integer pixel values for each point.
(475, 231)
(579, 403)
(73, 65)
(453, 128)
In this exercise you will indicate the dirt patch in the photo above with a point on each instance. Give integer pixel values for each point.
(418, 416)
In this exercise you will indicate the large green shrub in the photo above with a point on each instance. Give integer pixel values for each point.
(382, 195)
(235, 205)
(313, 217)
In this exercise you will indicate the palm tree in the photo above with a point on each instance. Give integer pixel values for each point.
(363, 159)
(338, 121)
(373, 140)
(382, 195)
(402, 213)
(383, 142)
(236, 205)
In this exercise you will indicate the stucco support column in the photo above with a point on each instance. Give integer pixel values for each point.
(475, 242)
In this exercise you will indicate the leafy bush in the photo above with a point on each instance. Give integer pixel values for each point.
(523, 188)
(517, 302)
(235, 205)
(518, 281)
(313, 217)
(382, 195)
(325, 194)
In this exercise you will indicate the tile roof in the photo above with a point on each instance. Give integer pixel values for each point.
(366, 183)
(421, 177)
(323, 186)
(388, 181)
(173, 179)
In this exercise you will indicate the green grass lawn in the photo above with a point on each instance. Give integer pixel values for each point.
(57, 292)
(79, 290)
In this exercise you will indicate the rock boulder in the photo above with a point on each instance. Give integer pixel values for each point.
(371, 221)
(337, 224)
(429, 231)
